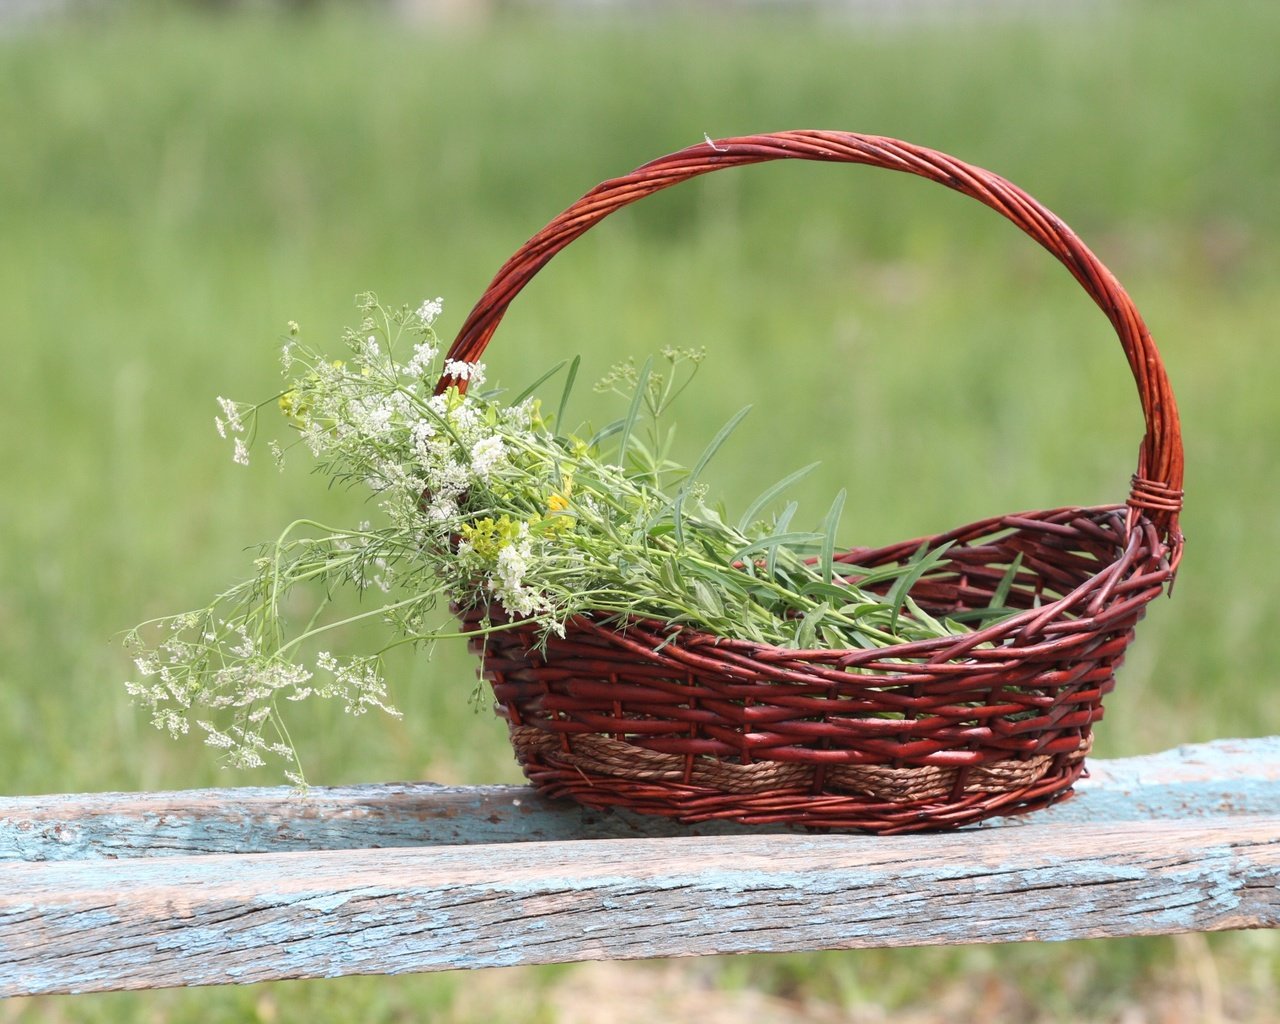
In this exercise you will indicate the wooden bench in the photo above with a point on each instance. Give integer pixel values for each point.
(146, 890)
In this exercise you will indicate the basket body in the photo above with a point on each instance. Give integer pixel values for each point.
(926, 735)
(901, 739)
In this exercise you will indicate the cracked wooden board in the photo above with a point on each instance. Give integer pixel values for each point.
(82, 926)
(1223, 778)
(120, 891)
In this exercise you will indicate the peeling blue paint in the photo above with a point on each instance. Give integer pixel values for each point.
(1224, 777)
(243, 918)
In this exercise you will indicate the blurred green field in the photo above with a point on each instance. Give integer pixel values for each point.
(174, 188)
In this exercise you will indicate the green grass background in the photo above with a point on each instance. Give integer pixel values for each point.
(174, 188)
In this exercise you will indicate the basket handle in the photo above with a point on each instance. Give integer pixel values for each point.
(1157, 484)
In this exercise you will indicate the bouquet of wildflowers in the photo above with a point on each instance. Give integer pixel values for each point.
(487, 501)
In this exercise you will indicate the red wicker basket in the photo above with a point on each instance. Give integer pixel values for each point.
(922, 735)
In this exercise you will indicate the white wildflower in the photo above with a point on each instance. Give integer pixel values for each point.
(245, 648)
(168, 720)
(232, 413)
(465, 418)
(420, 435)
(315, 437)
(513, 561)
(222, 427)
(462, 370)
(147, 694)
(486, 454)
(241, 454)
(214, 737)
(372, 416)
(358, 683)
(447, 479)
(431, 309)
(244, 757)
(508, 584)
(442, 510)
(519, 417)
(423, 355)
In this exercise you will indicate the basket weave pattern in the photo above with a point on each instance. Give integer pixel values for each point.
(924, 735)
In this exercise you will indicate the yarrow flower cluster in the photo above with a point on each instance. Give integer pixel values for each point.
(482, 503)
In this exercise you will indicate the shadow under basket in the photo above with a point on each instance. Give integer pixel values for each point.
(932, 734)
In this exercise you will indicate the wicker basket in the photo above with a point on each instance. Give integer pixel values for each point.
(922, 735)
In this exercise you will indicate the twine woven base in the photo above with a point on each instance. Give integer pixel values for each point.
(601, 772)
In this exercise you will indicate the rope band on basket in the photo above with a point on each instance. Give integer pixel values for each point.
(1154, 495)
(603, 755)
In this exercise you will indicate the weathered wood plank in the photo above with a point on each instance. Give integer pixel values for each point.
(142, 923)
(1222, 778)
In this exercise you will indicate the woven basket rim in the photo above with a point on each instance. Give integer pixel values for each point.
(935, 650)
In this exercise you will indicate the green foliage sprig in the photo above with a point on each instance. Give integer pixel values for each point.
(486, 501)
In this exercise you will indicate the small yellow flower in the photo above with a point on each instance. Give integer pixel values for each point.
(488, 536)
(560, 516)
(292, 406)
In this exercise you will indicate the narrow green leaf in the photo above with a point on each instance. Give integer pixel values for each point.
(829, 591)
(708, 599)
(772, 541)
(833, 638)
(604, 433)
(538, 383)
(641, 462)
(857, 611)
(807, 631)
(923, 617)
(829, 535)
(971, 616)
(637, 399)
(1001, 595)
(779, 529)
(769, 493)
(721, 436)
(783, 521)
(669, 575)
(862, 640)
(919, 565)
(880, 575)
(568, 387)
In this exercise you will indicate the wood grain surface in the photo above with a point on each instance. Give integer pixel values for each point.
(152, 890)
(1227, 777)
